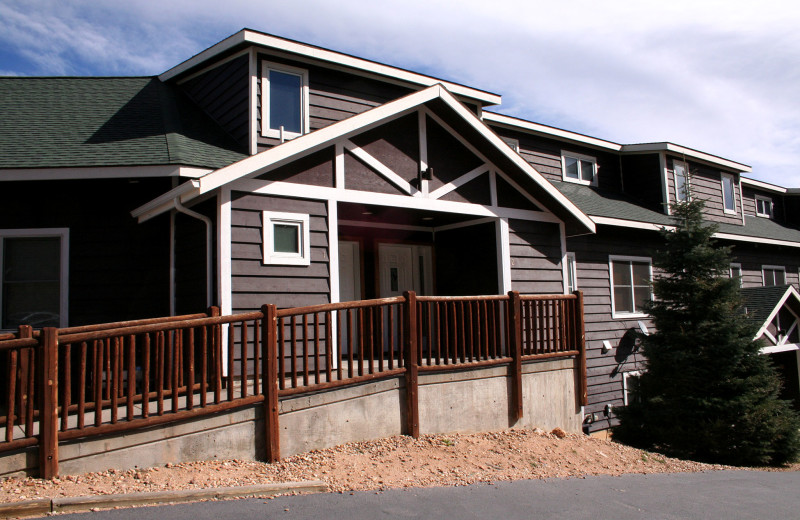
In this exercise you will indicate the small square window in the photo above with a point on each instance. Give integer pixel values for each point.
(763, 206)
(286, 238)
(284, 103)
(579, 168)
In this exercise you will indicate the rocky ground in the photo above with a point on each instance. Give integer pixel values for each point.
(431, 460)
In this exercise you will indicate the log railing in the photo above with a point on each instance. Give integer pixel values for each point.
(63, 384)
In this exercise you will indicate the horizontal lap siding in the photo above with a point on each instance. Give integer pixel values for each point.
(604, 372)
(754, 256)
(253, 283)
(749, 202)
(706, 184)
(535, 257)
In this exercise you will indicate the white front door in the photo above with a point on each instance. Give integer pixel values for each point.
(349, 271)
(404, 267)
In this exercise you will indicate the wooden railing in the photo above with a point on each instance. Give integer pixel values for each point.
(63, 384)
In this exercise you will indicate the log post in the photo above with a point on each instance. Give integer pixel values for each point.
(411, 362)
(269, 384)
(515, 351)
(48, 403)
(580, 326)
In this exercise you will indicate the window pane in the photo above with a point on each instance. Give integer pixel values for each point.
(31, 281)
(727, 193)
(780, 278)
(571, 272)
(641, 295)
(622, 273)
(285, 101)
(286, 238)
(641, 273)
(622, 299)
(571, 167)
(680, 183)
(587, 171)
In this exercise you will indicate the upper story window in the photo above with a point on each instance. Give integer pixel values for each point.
(284, 103)
(728, 193)
(681, 181)
(286, 238)
(572, 273)
(579, 168)
(33, 278)
(736, 273)
(511, 142)
(763, 206)
(774, 275)
(631, 278)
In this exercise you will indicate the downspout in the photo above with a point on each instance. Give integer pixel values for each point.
(209, 253)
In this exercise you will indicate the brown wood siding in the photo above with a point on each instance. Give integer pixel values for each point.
(224, 94)
(535, 257)
(118, 268)
(749, 202)
(604, 371)
(641, 178)
(447, 156)
(395, 144)
(190, 259)
(706, 183)
(253, 283)
(315, 169)
(754, 256)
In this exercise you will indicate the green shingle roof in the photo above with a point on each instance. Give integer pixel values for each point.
(598, 203)
(761, 301)
(84, 122)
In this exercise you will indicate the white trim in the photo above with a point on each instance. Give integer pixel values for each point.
(786, 347)
(384, 225)
(579, 157)
(423, 149)
(741, 198)
(172, 288)
(289, 189)
(767, 200)
(224, 261)
(724, 176)
(253, 113)
(570, 268)
(738, 266)
(166, 202)
(790, 291)
(562, 236)
(213, 66)
(550, 131)
(63, 288)
(687, 152)
(299, 220)
(333, 250)
(379, 167)
(318, 54)
(635, 224)
(503, 255)
(338, 166)
(772, 268)
(623, 258)
(266, 131)
(100, 172)
(763, 185)
(662, 161)
(625, 375)
(457, 183)
(459, 225)
(677, 163)
(758, 240)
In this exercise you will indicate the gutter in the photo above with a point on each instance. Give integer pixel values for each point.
(209, 253)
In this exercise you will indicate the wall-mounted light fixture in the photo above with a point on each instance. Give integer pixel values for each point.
(606, 347)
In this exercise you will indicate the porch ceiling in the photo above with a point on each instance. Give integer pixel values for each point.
(399, 216)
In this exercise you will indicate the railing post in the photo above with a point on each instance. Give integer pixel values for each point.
(515, 350)
(48, 403)
(25, 331)
(216, 353)
(411, 362)
(580, 327)
(269, 383)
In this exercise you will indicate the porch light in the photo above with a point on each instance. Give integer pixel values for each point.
(366, 212)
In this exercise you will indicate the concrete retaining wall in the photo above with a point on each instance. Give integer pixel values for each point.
(464, 401)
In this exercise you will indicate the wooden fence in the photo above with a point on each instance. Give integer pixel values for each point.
(80, 382)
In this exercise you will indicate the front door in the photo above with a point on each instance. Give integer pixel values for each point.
(404, 267)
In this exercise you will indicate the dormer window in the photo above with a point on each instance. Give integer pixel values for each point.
(681, 182)
(579, 168)
(284, 103)
(763, 206)
(728, 194)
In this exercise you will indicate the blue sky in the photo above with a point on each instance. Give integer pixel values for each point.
(718, 76)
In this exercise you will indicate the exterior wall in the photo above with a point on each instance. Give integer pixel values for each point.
(535, 257)
(118, 269)
(706, 183)
(749, 203)
(255, 283)
(223, 92)
(754, 256)
(190, 259)
(605, 371)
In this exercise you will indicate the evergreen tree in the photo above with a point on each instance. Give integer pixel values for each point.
(707, 393)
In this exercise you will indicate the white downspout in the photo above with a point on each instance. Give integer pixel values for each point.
(209, 252)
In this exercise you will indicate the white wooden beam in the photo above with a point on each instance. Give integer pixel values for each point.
(379, 167)
(457, 183)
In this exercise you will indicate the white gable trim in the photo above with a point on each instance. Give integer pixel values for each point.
(379, 167)
(457, 183)
(790, 291)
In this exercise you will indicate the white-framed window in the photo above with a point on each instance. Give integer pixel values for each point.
(736, 273)
(630, 387)
(572, 273)
(631, 278)
(681, 179)
(728, 193)
(286, 238)
(578, 168)
(284, 100)
(34, 277)
(763, 206)
(773, 275)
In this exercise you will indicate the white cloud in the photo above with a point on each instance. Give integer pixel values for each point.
(717, 76)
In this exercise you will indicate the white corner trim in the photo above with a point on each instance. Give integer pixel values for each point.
(333, 251)
(460, 181)
(503, 255)
(253, 114)
(224, 271)
(379, 167)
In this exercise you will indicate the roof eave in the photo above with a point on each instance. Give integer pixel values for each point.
(688, 152)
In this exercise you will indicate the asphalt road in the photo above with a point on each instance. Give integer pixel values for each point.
(725, 495)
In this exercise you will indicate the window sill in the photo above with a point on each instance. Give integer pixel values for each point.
(628, 315)
(579, 181)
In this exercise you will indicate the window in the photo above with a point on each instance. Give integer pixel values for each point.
(286, 238)
(774, 275)
(763, 206)
(579, 168)
(728, 194)
(736, 272)
(630, 387)
(33, 277)
(630, 285)
(284, 103)
(511, 142)
(572, 274)
(681, 181)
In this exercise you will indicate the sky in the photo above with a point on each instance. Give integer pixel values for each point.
(722, 77)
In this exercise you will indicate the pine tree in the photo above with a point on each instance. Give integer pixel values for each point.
(707, 393)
